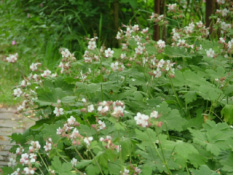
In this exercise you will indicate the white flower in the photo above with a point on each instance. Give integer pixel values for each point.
(17, 92)
(139, 50)
(35, 146)
(88, 140)
(59, 131)
(12, 58)
(157, 73)
(141, 119)
(24, 158)
(225, 12)
(109, 53)
(172, 7)
(102, 125)
(11, 162)
(221, 1)
(58, 111)
(90, 108)
(135, 28)
(154, 114)
(66, 53)
(137, 170)
(225, 26)
(125, 172)
(91, 44)
(36, 77)
(19, 150)
(48, 145)
(103, 109)
(199, 24)
(84, 100)
(123, 56)
(117, 66)
(181, 42)
(210, 53)
(74, 134)
(71, 120)
(46, 73)
(175, 36)
(32, 158)
(16, 172)
(222, 40)
(161, 44)
(29, 171)
(118, 111)
(34, 67)
(74, 162)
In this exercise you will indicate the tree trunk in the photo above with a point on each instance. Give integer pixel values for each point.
(209, 11)
(156, 26)
(116, 18)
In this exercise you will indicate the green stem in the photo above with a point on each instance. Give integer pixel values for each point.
(174, 91)
(119, 141)
(78, 153)
(96, 161)
(164, 158)
(43, 162)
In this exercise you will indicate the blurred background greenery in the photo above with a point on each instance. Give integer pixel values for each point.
(40, 27)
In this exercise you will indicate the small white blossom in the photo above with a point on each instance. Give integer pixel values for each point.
(35, 146)
(125, 172)
(74, 134)
(17, 92)
(161, 44)
(210, 53)
(74, 162)
(46, 73)
(109, 53)
(102, 125)
(154, 114)
(88, 140)
(90, 108)
(58, 111)
(12, 58)
(91, 44)
(29, 171)
(141, 119)
(71, 120)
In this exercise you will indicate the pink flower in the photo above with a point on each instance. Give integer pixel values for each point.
(13, 42)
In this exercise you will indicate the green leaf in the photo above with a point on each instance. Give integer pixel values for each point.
(171, 118)
(227, 113)
(83, 163)
(213, 137)
(92, 170)
(176, 52)
(227, 162)
(61, 169)
(190, 97)
(204, 170)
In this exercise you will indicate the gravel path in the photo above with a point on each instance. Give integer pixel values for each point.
(10, 123)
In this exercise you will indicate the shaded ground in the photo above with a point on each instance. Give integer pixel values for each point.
(10, 123)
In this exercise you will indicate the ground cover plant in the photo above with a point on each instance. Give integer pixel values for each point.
(148, 107)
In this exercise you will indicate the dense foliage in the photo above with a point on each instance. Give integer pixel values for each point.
(148, 107)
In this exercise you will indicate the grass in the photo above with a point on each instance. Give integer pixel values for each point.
(6, 91)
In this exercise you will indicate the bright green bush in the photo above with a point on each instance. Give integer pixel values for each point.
(148, 107)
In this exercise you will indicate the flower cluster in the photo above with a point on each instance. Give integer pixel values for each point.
(108, 143)
(65, 63)
(27, 159)
(144, 120)
(12, 58)
(115, 109)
